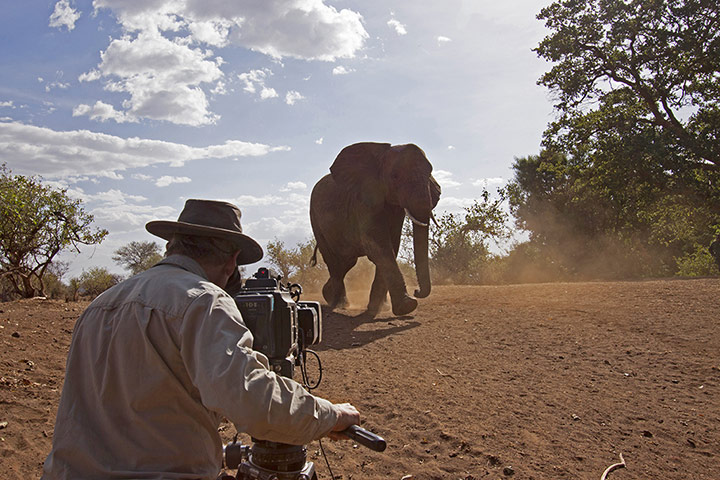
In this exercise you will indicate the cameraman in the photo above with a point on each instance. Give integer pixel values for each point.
(158, 360)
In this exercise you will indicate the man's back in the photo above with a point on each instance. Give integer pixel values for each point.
(130, 400)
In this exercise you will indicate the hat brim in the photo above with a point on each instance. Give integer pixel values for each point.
(250, 250)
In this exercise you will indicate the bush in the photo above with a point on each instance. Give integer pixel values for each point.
(697, 263)
(95, 281)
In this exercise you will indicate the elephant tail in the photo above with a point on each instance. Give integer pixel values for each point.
(313, 260)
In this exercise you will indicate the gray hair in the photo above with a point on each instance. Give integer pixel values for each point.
(207, 249)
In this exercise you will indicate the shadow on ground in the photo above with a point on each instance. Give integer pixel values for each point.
(344, 329)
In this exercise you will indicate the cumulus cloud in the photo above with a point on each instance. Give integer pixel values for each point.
(9, 104)
(441, 40)
(320, 140)
(51, 153)
(294, 186)
(166, 180)
(64, 15)
(292, 97)
(340, 70)
(102, 112)
(162, 63)
(397, 26)
(445, 179)
(254, 82)
(162, 77)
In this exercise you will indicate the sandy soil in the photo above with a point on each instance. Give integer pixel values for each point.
(548, 381)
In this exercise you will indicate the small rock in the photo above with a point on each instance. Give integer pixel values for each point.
(3, 425)
(508, 471)
(15, 334)
(647, 434)
(574, 417)
(406, 477)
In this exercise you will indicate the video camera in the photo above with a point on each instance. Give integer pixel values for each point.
(283, 327)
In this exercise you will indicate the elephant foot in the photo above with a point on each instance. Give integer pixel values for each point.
(404, 305)
(373, 310)
(334, 295)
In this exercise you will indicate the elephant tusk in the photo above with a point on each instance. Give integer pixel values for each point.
(415, 220)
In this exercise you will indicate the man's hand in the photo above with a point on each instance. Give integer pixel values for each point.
(347, 415)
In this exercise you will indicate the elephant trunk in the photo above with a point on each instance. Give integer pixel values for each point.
(422, 269)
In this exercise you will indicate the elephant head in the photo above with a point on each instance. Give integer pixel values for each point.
(379, 174)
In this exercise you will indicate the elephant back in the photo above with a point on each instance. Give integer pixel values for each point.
(357, 169)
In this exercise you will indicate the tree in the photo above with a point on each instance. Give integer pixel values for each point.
(96, 280)
(137, 256)
(459, 246)
(36, 223)
(294, 264)
(614, 213)
(659, 59)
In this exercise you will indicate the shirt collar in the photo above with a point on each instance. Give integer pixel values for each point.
(186, 263)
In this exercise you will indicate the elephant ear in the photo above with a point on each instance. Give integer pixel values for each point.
(434, 191)
(357, 169)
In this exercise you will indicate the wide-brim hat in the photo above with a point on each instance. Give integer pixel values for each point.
(210, 218)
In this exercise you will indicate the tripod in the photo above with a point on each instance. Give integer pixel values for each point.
(278, 461)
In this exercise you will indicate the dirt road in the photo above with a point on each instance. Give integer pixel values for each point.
(548, 381)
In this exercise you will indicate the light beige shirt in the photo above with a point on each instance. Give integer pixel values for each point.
(154, 364)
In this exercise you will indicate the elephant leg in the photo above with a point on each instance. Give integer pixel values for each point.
(334, 289)
(378, 293)
(386, 265)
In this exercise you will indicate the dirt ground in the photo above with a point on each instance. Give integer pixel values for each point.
(545, 381)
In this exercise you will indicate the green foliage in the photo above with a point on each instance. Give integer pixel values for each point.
(36, 223)
(657, 61)
(603, 217)
(96, 280)
(458, 244)
(629, 181)
(294, 264)
(697, 263)
(137, 256)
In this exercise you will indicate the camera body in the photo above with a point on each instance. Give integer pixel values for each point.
(282, 325)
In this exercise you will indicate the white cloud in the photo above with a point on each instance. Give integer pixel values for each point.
(64, 15)
(141, 176)
(51, 153)
(397, 26)
(444, 178)
(294, 186)
(293, 96)
(160, 65)
(163, 78)
(306, 29)
(441, 40)
(340, 70)
(166, 180)
(451, 147)
(7, 104)
(102, 111)
(268, 93)
(320, 140)
(60, 85)
(254, 80)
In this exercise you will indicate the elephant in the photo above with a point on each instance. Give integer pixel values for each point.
(359, 208)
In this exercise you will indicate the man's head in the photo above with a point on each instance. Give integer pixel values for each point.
(209, 232)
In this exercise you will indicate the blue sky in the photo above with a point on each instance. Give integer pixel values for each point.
(136, 105)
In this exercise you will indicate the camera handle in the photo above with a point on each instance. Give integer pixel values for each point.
(365, 438)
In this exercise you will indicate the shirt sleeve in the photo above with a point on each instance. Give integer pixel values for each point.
(235, 381)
